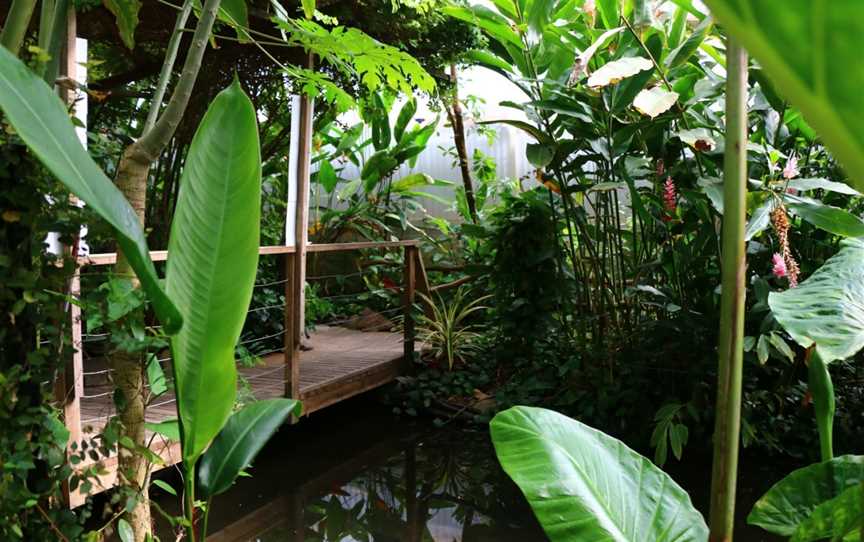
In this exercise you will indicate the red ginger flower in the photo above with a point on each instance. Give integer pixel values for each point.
(670, 199)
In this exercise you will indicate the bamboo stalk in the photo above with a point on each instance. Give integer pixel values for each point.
(731, 350)
(16, 25)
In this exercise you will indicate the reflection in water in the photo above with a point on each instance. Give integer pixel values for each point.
(358, 473)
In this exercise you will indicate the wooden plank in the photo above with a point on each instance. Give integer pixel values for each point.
(291, 352)
(110, 258)
(408, 301)
(69, 386)
(342, 247)
(338, 390)
(342, 363)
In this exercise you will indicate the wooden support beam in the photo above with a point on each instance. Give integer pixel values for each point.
(69, 386)
(292, 339)
(408, 300)
(296, 263)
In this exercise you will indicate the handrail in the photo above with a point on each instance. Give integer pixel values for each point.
(110, 258)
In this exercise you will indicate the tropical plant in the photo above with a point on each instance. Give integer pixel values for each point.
(585, 485)
(214, 247)
(375, 202)
(447, 330)
(817, 502)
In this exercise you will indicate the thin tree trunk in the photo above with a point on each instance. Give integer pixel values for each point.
(733, 263)
(131, 179)
(454, 111)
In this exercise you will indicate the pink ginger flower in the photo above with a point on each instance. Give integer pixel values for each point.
(791, 170)
(590, 8)
(670, 198)
(779, 269)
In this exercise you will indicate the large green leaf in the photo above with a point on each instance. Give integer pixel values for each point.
(126, 13)
(811, 52)
(831, 219)
(41, 120)
(822, 184)
(826, 309)
(585, 485)
(496, 26)
(233, 450)
(212, 264)
(836, 519)
(792, 500)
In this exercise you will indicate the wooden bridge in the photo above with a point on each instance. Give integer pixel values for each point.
(335, 363)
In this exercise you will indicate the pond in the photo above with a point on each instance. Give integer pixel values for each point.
(357, 472)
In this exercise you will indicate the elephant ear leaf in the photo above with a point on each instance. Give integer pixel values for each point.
(233, 450)
(826, 309)
(813, 60)
(40, 119)
(795, 500)
(585, 485)
(213, 258)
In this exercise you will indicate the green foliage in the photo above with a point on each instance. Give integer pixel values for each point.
(351, 51)
(794, 504)
(669, 432)
(40, 119)
(239, 441)
(807, 58)
(823, 310)
(33, 348)
(585, 485)
(214, 247)
(448, 332)
(528, 284)
(126, 13)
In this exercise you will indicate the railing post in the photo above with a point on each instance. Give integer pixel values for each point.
(69, 386)
(292, 337)
(295, 269)
(410, 269)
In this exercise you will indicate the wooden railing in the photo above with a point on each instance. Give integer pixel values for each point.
(70, 386)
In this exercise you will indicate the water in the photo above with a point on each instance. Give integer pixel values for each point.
(356, 472)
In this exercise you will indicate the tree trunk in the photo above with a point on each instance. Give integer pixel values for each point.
(128, 368)
(131, 179)
(454, 111)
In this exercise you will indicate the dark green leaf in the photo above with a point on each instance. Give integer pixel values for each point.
(169, 429)
(126, 13)
(539, 155)
(233, 450)
(405, 116)
(684, 51)
(327, 176)
(831, 219)
(156, 376)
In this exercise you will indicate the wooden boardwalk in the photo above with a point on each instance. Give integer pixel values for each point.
(341, 363)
